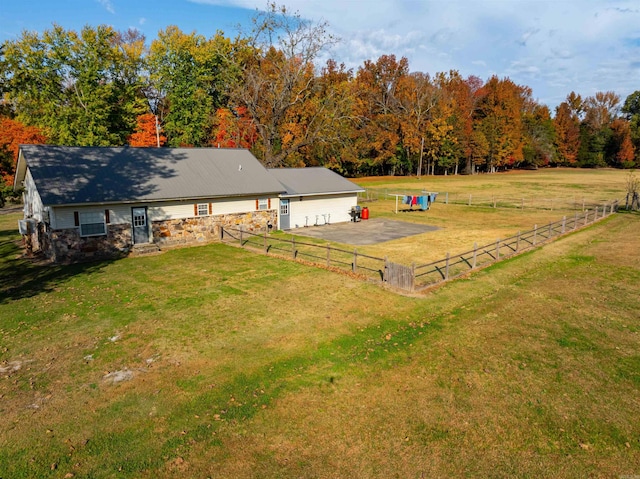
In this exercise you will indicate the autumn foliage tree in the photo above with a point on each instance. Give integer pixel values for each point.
(567, 128)
(625, 151)
(265, 90)
(280, 87)
(147, 132)
(464, 96)
(81, 88)
(500, 120)
(377, 107)
(13, 134)
(234, 128)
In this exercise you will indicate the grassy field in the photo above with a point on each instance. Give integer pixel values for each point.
(460, 225)
(216, 362)
(593, 185)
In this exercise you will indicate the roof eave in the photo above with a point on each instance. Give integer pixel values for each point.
(161, 200)
(327, 193)
(21, 171)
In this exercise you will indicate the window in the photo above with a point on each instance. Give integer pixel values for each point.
(139, 217)
(284, 207)
(92, 224)
(203, 209)
(263, 204)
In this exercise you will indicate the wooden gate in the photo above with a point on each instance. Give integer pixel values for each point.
(399, 276)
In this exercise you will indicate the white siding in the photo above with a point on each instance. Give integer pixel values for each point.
(312, 210)
(63, 217)
(33, 207)
(176, 210)
(121, 214)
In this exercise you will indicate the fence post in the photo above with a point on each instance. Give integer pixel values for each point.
(475, 255)
(575, 221)
(385, 274)
(564, 224)
(446, 268)
(241, 245)
(518, 242)
(221, 232)
(586, 217)
(354, 265)
(550, 231)
(494, 202)
(293, 247)
(413, 276)
(535, 234)
(583, 204)
(266, 250)
(469, 200)
(446, 198)
(522, 207)
(497, 249)
(328, 255)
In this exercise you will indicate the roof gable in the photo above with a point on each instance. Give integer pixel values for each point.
(313, 181)
(81, 175)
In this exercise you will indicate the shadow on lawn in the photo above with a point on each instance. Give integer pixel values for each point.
(22, 277)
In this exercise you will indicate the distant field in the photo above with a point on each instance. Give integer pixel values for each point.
(597, 185)
(214, 361)
(461, 226)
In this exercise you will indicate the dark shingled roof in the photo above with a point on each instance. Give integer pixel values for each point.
(80, 175)
(313, 181)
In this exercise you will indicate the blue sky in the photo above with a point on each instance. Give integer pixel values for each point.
(551, 46)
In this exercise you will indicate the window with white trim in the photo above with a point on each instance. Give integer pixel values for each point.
(203, 209)
(92, 224)
(263, 204)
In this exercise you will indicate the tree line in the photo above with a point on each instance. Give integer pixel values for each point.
(263, 90)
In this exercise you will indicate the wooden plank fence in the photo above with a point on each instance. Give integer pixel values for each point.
(325, 255)
(400, 276)
(413, 277)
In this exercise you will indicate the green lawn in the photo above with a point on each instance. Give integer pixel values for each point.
(217, 362)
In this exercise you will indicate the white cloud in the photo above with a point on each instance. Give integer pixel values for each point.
(552, 47)
(107, 5)
(142, 21)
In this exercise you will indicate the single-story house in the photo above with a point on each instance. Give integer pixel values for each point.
(92, 202)
(314, 196)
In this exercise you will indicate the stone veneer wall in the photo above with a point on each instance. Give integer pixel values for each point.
(37, 241)
(68, 246)
(203, 229)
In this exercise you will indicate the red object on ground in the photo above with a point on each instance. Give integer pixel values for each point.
(365, 213)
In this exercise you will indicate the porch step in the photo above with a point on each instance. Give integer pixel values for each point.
(145, 249)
